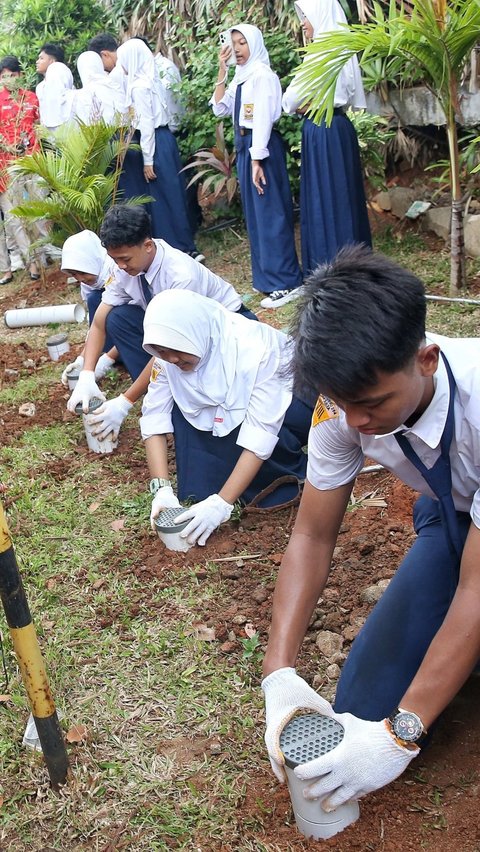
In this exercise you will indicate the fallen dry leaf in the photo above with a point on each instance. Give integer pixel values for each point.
(204, 633)
(76, 734)
(250, 629)
(98, 583)
(93, 507)
(118, 525)
(5, 698)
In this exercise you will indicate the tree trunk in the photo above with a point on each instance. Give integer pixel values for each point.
(458, 277)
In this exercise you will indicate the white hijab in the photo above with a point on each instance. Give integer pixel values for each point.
(102, 95)
(258, 58)
(84, 252)
(326, 16)
(138, 62)
(55, 95)
(230, 348)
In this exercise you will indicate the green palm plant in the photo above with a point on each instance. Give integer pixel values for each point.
(435, 37)
(78, 171)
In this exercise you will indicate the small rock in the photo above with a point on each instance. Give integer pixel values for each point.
(383, 200)
(215, 748)
(372, 594)
(231, 636)
(338, 658)
(239, 619)
(276, 558)
(201, 574)
(259, 594)
(318, 624)
(330, 594)
(228, 647)
(365, 549)
(329, 643)
(9, 372)
(29, 363)
(318, 681)
(27, 409)
(337, 552)
(230, 573)
(332, 671)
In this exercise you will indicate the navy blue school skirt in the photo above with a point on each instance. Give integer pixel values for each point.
(132, 181)
(333, 207)
(204, 462)
(268, 217)
(169, 212)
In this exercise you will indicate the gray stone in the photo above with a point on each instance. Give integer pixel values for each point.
(383, 200)
(417, 106)
(333, 671)
(329, 643)
(401, 198)
(438, 220)
(472, 236)
(372, 594)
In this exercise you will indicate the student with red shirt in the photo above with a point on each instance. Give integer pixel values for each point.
(18, 116)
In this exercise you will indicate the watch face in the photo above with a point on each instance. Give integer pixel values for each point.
(407, 726)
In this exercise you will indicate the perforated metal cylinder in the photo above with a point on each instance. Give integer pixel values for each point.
(165, 521)
(304, 738)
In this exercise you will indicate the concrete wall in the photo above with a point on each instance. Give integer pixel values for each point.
(418, 107)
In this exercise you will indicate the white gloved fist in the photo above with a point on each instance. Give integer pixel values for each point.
(205, 516)
(103, 365)
(85, 389)
(367, 758)
(285, 694)
(109, 417)
(164, 499)
(75, 365)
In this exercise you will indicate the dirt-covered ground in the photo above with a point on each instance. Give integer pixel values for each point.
(434, 805)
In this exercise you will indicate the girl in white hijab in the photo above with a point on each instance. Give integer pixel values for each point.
(102, 95)
(218, 383)
(333, 208)
(161, 160)
(253, 99)
(86, 260)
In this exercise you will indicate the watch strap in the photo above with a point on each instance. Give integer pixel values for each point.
(410, 743)
(156, 483)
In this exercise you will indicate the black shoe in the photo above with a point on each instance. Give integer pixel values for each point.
(6, 279)
(196, 255)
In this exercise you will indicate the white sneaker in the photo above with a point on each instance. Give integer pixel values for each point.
(278, 298)
(197, 255)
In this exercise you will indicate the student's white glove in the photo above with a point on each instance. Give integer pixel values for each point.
(109, 417)
(164, 499)
(103, 365)
(206, 517)
(70, 368)
(85, 389)
(367, 758)
(286, 694)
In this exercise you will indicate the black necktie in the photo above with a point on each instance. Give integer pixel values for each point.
(146, 288)
(439, 477)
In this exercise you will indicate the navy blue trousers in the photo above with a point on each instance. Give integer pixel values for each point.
(390, 647)
(269, 217)
(93, 300)
(124, 327)
(170, 220)
(205, 462)
(333, 207)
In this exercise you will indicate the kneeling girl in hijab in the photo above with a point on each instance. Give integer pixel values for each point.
(219, 384)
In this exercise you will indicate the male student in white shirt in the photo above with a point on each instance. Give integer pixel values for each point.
(56, 91)
(146, 266)
(410, 401)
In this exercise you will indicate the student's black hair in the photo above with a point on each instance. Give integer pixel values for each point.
(103, 41)
(54, 50)
(145, 40)
(125, 225)
(359, 314)
(10, 63)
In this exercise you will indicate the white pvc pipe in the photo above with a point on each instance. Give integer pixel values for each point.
(44, 316)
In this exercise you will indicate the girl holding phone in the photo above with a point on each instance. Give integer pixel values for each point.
(253, 99)
(333, 207)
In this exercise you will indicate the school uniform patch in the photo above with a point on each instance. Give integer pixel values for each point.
(248, 111)
(157, 368)
(110, 280)
(324, 409)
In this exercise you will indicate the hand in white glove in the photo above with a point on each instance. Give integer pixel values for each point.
(206, 517)
(85, 389)
(75, 365)
(164, 499)
(285, 694)
(109, 417)
(103, 365)
(367, 758)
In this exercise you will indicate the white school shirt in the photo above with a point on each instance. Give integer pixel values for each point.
(170, 77)
(261, 106)
(170, 268)
(336, 452)
(264, 415)
(146, 121)
(55, 95)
